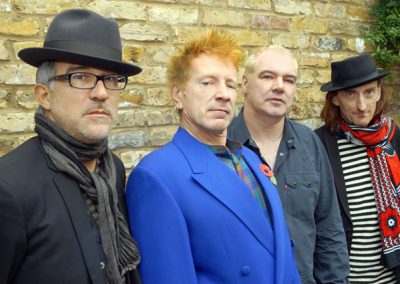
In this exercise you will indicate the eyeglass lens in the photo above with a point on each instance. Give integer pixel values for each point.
(87, 81)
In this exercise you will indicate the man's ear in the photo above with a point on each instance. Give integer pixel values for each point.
(42, 95)
(245, 81)
(379, 92)
(177, 93)
(335, 101)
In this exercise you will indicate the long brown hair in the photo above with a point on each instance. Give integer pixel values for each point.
(330, 113)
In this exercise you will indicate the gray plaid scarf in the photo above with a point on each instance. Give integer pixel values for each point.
(99, 189)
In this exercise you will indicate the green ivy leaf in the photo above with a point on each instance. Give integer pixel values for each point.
(384, 34)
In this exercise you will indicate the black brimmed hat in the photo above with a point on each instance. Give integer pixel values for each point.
(82, 37)
(353, 72)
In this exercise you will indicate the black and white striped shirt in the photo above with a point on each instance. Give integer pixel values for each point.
(366, 249)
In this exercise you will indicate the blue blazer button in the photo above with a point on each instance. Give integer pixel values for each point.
(246, 270)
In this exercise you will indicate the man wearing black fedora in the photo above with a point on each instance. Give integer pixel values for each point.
(63, 216)
(363, 146)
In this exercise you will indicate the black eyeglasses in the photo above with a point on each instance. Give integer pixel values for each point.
(84, 80)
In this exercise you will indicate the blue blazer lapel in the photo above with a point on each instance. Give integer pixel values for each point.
(77, 210)
(277, 215)
(226, 186)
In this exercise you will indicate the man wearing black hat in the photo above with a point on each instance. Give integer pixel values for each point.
(296, 162)
(363, 146)
(63, 216)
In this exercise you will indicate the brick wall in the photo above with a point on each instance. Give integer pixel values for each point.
(318, 32)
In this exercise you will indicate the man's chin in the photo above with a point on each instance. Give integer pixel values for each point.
(95, 135)
(219, 128)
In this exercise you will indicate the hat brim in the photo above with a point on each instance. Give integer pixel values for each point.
(329, 87)
(35, 56)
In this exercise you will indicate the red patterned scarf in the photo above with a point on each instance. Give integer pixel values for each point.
(385, 174)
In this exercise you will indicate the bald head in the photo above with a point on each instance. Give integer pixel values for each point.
(267, 53)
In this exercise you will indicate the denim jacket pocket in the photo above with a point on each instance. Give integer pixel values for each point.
(302, 194)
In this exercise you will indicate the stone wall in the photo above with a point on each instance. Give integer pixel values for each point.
(318, 32)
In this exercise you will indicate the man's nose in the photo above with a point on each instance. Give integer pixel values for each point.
(99, 92)
(224, 92)
(361, 103)
(278, 84)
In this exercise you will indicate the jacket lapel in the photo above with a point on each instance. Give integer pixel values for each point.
(76, 207)
(277, 219)
(334, 158)
(226, 186)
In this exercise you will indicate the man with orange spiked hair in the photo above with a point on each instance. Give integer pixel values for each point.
(201, 208)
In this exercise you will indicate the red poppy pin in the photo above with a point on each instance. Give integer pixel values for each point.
(266, 170)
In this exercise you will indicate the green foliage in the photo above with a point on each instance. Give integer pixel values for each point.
(384, 33)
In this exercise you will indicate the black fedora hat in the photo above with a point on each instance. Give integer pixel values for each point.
(82, 37)
(352, 72)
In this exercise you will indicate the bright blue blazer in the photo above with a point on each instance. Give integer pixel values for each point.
(196, 221)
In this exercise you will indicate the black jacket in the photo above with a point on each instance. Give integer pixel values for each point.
(45, 231)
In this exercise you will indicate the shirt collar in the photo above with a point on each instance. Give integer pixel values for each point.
(231, 148)
(288, 135)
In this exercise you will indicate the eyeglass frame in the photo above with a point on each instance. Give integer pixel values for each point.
(67, 77)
